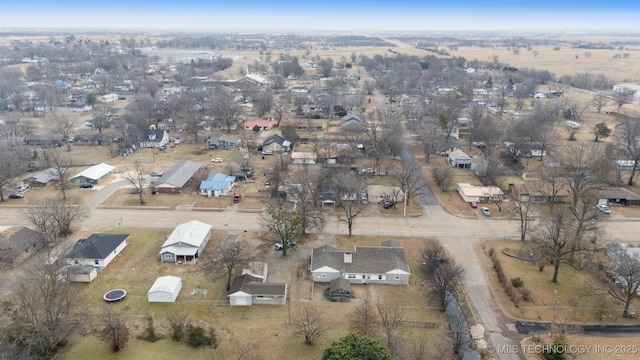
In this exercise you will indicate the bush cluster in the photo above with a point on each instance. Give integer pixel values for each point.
(510, 288)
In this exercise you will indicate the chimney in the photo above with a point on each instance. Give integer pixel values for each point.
(347, 258)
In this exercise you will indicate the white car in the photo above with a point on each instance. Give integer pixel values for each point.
(604, 208)
(485, 211)
(177, 141)
(22, 187)
(216, 160)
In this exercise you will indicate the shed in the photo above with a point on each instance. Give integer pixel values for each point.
(85, 273)
(165, 289)
(339, 289)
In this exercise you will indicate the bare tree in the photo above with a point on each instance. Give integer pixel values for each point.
(11, 165)
(226, 108)
(115, 331)
(581, 169)
(630, 140)
(363, 320)
(350, 192)
(103, 115)
(308, 323)
(391, 315)
(305, 192)
(231, 256)
(282, 224)
(53, 219)
(621, 98)
(60, 164)
(44, 315)
(443, 175)
(137, 178)
(409, 178)
(598, 102)
(62, 126)
(443, 274)
(626, 269)
(280, 108)
(524, 212)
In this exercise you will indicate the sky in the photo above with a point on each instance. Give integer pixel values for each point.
(326, 15)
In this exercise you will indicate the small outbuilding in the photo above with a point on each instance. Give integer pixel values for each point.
(339, 289)
(165, 289)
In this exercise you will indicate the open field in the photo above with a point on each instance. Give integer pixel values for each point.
(581, 298)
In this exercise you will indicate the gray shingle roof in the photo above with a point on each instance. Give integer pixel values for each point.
(97, 246)
(254, 286)
(180, 174)
(615, 193)
(364, 259)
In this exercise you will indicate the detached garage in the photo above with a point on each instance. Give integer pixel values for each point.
(165, 289)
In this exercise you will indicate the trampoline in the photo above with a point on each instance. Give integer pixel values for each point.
(114, 295)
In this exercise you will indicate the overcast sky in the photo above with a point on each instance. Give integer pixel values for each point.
(343, 15)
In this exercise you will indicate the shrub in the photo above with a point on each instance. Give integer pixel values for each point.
(557, 349)
(150, 333)
(541, 265)
(517, 282)
(526, 293)
(492, 251)
(197, 336)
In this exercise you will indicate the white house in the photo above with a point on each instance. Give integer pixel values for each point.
(93, 174)
(217, 185)
(165, 289)
(308, 158)
(480, 194)
(384, 264)
(97, 251)
(247, 290)
(108, 98)
(380, 193)
(154, 138)
(186, 242)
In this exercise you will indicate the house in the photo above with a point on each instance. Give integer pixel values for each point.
(537, 191)
(479, 165)
(261, 124)
(381, 193)
(217, 185)
(89, 140)
(225, 141)
(352, 124)
(165, 289)
(247, 290)
(533, 150)
(108, 98)
(154, 138)
(299, 90)
(94, 174)
(339, 289)
(327, 197)
(44, 178)
(186, 243)
(276, 143)
(98, 250)
(16, 245)
(447, 147)
(616, 196)
(44, 140)
(384, 264)
(459, 159)
(176, 179)
(307, 158)
(480, 194)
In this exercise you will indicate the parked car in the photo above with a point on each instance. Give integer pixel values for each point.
(236, 198)
(387, 204)
(485, 211)
(16, 196)
(177, 141)
(86, 186)
(604, 208)
(267, 152)
(290, 244)
(473, 205)
(22, 187)
(267, 183)
(368, 171)
(216, 160)
(155, 174)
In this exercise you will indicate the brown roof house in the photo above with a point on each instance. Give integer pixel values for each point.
(536, 191)
(616, 196)
(16, 245)
(384, 264)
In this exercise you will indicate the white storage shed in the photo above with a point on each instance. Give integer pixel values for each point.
(165, 289)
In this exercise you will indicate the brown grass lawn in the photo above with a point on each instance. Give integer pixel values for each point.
(582, 298)
(138, 266)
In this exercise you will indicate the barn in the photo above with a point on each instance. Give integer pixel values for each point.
(165, 289)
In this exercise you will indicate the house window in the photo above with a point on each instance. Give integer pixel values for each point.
(97, 262)
(323, 276)
(167, 256)
(397, 277)
(351, 276)
(379, 277)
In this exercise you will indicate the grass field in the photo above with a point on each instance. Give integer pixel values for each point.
(581, 298)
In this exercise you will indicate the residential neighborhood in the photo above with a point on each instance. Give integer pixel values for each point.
(268, 195)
